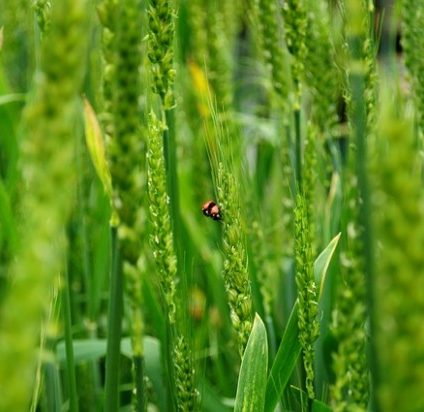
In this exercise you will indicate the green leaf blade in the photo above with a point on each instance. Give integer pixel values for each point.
(252, 381)
(289, 349)
(96, 147)
(322, 262)
(284, 363)
(318, 406)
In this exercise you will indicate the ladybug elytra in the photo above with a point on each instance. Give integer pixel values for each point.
(211, 209)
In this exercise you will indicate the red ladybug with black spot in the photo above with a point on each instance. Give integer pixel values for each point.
(211, 209)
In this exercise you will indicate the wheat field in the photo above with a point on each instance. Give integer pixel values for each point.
(212, 205)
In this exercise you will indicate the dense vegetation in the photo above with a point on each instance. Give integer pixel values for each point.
(211, 205)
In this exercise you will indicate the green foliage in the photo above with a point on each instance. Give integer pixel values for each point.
(162, 242)
(275, 54)
(160, 49)
(187, 394)
(42, 12)
(349, 363)
(310, 179)
(322, 263)
(399, 299)
(16, 40)
(295, 24)
(307, 291)
(412, 25)
(252, 378)
(290, 348)
(235, 264)
(47, 164)
(219, 57)
(161, 239)
(121, 87)
(285, 360)
(267, 108)
(198, 39)
(321, 72)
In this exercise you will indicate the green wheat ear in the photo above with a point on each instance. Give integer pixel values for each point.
(17, 54)
(274, 50)
(307, 292)
(121, 47)
(162, 242)
(225, 165)
(187, 395)
(47, 164)
(162, 238)
(219, 65)
(42, 10)
(198, 39)
(321, 73)
(160, 50)
(236, 276)
(351, 389)
(399, 279)
(351, 386)
(412, 35)
(310, 180)
(295, 24)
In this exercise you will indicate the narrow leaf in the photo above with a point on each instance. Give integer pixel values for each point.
(318, 406)
(201, 88)
(284, 363)
(323, 262)
(252, 379)
(7, 220)
(289, 349)
(12, 98)
(86, 350)
(152, 363)
(96, 147)
(302, 398)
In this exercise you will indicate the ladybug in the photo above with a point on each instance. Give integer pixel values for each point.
(211, 209)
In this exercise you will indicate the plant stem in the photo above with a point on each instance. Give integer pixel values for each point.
(114, 326)
(52, 387)
(170, 367)
(170, 154)
(139, 384)
(70, 364)
(359, 122)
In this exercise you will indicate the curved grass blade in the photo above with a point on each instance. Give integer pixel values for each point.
(12, 98)
(89, 350)
(252, 379)
(322, 262)
(284, 363)
(96, 146)
(317, 406)
(289, 349)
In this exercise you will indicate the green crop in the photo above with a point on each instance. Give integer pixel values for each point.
(301, 121)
